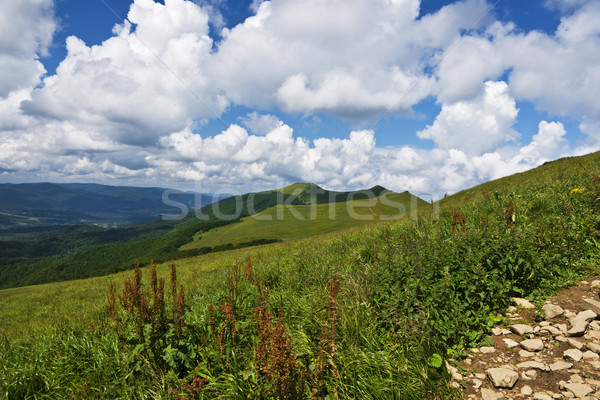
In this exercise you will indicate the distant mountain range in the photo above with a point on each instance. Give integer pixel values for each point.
(37, 207)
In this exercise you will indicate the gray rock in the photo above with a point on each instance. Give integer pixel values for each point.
(587, 315)
(573, 354)
(533, 365)
(532, 344)
(530, 374)
(590, 355)
(593, 347)
(552, 310)
(551, 329)
(510, 343)
(521, 329)
(502, 377)
(560, 365)
(523, 303)
(579, 389)
(526, 390)
(525, 354)
(592, 334)
(591, 304)
(578, 328)
(489, 394)
(575, 343)
(487, 349)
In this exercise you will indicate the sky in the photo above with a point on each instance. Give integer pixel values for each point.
(429, 96)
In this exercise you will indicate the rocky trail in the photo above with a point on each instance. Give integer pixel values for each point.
(549, 354)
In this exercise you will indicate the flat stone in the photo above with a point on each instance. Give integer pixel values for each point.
(593, 347)
(578, 328)
(576, 379)
(480, 376)
(573, 354)
(510, 343)
(526, 354)
(497, 331)
(552, 310)
(595, 283)
(489, 394)
(587, 315)
(526, 390)
(592, 334)
(560, 365)
(502, 377)
(594, 364)
(579, 389)
(562, 327)
(575, 343)
(532, 344)
(541, 396)
(530, 374)
(590, 355)
(550, 329)
(591, 304)
(512, 309)
(487, 349)
(476, 383)
(533, 365)
(521, 329)
(523, 303)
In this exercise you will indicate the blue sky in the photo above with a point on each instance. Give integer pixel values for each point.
(428, 96)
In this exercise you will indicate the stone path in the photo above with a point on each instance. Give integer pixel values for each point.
(555, 357)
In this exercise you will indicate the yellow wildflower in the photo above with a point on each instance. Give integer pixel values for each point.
(576, 191)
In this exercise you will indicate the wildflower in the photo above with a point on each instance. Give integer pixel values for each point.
(576, 191)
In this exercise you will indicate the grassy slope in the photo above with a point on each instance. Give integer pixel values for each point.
(299, 221)
(407, 290)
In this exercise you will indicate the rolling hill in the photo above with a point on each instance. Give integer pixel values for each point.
(311, 211)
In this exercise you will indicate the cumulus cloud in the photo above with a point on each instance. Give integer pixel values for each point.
(478, 125)
(139, 84)
(128, 110)
(26, 30)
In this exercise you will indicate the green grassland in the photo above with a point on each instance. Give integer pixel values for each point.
(285, 222)
(369, 313)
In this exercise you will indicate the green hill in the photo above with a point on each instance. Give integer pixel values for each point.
(291, 221)
(370, 313)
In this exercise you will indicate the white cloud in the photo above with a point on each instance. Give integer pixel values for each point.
(26, 30)
(478, 125)
(139, 84)
(260, 124)
(126, 109)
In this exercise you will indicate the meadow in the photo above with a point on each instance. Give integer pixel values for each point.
(370, 313)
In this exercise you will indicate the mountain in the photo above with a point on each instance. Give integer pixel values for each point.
(36, 207)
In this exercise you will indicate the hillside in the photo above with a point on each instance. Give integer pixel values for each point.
(36, 207)
(371, 313)
(285, 222)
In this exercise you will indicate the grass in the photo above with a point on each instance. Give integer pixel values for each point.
(368, 313)
(300, 221)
